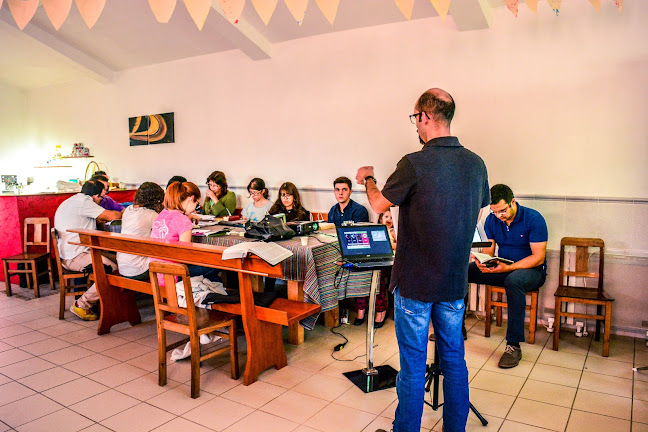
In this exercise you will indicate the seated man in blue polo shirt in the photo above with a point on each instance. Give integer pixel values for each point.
(346, 209)
(521, 236)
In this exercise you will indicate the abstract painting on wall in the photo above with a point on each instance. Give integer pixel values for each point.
(151, 129)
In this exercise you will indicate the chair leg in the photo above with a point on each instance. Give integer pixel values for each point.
(7, 277)
(234, 351)
(51, 273)
(489, 311)
(162, 363)
(533, 317)
(597, 334)
(608, 329)
(498, 310)
(557, 324)
(62, 290)
(195, 366)
(34, 275)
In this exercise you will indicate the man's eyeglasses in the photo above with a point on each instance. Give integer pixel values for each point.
(415, 118)
(501, 212)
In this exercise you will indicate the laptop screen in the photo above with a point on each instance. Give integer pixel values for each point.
(479, 238)
(364, 242)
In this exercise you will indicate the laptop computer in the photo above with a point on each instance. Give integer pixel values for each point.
(365, 246)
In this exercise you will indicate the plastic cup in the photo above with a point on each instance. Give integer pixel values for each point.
(304, 241)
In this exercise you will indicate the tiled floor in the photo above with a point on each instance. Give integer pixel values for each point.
(60, 376)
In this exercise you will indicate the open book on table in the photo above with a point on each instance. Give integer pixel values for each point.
(270, 252)
(488, 260)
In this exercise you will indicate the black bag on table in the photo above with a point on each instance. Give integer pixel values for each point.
(271, 228)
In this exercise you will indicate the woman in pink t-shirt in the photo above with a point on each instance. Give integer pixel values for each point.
(173, 223)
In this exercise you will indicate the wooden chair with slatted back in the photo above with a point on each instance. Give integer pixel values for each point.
(582, 268)
(66, 288)
(189, 321)
(499, 303)
(30, 260)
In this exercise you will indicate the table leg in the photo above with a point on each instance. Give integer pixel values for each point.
(332, 317)
(257, 284)
(296, 331)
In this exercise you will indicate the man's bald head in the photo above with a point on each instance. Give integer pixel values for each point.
(438, 104)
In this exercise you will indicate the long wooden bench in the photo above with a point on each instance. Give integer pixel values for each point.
(262, 325)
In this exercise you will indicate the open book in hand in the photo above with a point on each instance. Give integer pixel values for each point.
(270, 252)
(488, 260)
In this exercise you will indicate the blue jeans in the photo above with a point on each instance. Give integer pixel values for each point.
(516, 283)
(412, 318)
(208, 272)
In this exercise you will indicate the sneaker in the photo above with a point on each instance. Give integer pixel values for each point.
(85, 315)
(511, 357)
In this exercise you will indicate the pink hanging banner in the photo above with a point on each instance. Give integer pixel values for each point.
(555, 6)
(441, 6)
(198, 9)
(57, 11)
(596, 4)
(329, 8)
(619, 4)
(162, 9)
(22, 11)
(298, 9)
(406, 7)
(232, 9)
(0, 4)
(533, 5)
(512, 5)
(265, 9)
(90, 10)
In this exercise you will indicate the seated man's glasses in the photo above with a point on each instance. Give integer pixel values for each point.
(416, 117)
(501, 212)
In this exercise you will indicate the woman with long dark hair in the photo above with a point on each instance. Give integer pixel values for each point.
(289, 203)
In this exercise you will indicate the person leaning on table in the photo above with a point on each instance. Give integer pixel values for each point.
(219, 201)
(82, 211)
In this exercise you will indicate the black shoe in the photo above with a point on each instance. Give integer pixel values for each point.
(511, 357)
(378, 325)
(358, 321)
(431, 338)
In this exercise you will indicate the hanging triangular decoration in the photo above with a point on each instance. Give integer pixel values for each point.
(533, 5)
(232, 9)
(596, 4)
(90, 10)
(441, 6)
(298, 9)
(555, 6)
(619, 4)
(329, 8)
(0, 4)
(198, 9)
(57, 11)
(265, 9)
(162, 9)
(406, 7)
(22, 11)
(512, 5)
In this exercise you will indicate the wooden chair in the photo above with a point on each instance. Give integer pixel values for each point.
(30, 260)
(499, 304)
(585, 295)
(190, 321)
(66, 289)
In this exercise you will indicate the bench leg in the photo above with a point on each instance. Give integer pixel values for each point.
(296, 331)
(332, 317)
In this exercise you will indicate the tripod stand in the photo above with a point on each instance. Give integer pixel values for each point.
(432, 374)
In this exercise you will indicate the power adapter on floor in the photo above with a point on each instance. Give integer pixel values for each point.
(339, 347)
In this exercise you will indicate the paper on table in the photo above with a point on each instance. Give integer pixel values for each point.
(270, 252)
(206, 217)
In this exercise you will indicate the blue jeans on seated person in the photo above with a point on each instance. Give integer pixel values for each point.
(516, 283)
(412, 319)
(210, 273)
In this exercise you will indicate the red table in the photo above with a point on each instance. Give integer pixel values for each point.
(15, 208)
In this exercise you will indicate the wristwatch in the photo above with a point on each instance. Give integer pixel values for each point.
(370, 177)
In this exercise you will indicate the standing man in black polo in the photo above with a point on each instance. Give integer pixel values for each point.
(441, 190)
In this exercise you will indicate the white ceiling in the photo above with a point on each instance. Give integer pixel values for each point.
(127, 35)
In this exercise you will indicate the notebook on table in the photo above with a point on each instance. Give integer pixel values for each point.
(365, 246)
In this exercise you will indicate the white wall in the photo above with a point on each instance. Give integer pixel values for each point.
(556, 106)
(13, 115)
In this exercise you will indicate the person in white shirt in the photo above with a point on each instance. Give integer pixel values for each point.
(138, 220)
(82, 211)
(259, 207)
